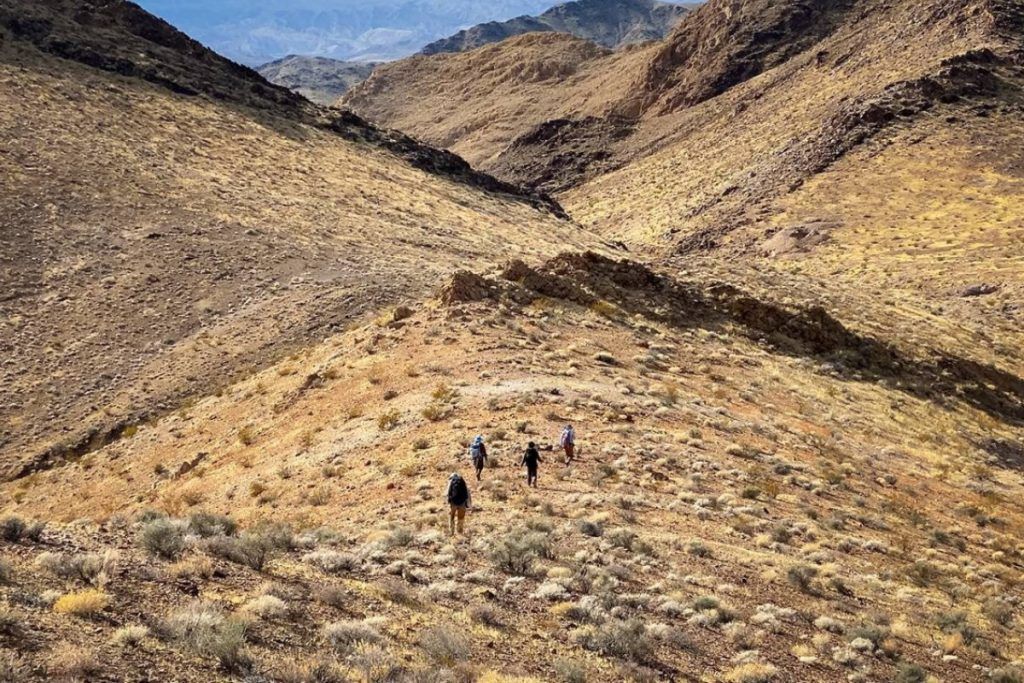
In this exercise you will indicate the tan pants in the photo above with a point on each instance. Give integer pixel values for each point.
(458, 518)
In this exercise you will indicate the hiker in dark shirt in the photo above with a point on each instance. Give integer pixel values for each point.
(531, 459)
(459, 501)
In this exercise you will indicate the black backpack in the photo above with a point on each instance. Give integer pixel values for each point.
(458, 492)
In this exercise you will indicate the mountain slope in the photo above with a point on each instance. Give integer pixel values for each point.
(478, 102)
(749, 474)
(318, 79)
(175, 220)
(610, 23)
(718, 141)
(245, 341)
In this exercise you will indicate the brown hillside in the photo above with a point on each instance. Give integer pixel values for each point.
(759, 490)
(172, 222)
(245, 341)
(477, 102)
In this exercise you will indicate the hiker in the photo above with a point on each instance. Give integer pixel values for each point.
(478, 454)
(459, 501)
(568, 442)
(531, 459)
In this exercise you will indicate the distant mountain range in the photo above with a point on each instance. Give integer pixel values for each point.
(611, 23)
(607, 23)
(370, 30)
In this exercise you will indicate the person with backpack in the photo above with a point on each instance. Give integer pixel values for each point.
(478, 454)
(531, 459)
(459, 500)
(568, 442)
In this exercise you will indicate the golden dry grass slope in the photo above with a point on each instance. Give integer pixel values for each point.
(170, 220)
(759, 496)
(800, 446)
(862, 153)
(478, 102)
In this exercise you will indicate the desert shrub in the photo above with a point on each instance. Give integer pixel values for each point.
(907, 672)
(627, 640)
(802, 576)
(588, 528)
(12, 529)
(88, 567)
(876, 633)
(923, 573)
(322, 671)
(705, 602)
(73, 663)
(10, 670)
(488, 616)
(751, 672)
(698, 549)
(335, 596)
(622, 538)
(998, 611)
(247, 436)
(163, 538)
(11, 624)
(249, 549)
(518, 550)
(202, 628)
(6, 572)
(400, 537)
(267, 607)
(398, 592)
(333, 561)
(1009, 674)
(569, 671)
(344, 636)
(445, 645)
(206, 525)
(435, 412)
(389, 420)
(130, 636)
(87, 603)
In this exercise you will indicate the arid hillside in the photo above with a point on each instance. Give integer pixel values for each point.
(842, 148)
(476, 103)
(761, 495)
(174, 220)
(246, 340)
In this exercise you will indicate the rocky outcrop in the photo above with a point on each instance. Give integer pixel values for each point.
(633, 288)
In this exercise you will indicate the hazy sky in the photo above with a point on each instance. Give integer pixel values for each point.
(256, 31)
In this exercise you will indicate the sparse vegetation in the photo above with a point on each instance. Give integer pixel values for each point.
(86, 603)
(344, 636)
(445, 645)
